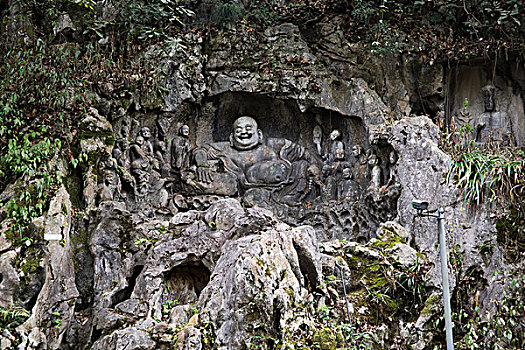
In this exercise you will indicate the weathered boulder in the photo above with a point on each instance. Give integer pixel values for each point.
(256, 284)
(52, 314)
(422, 172)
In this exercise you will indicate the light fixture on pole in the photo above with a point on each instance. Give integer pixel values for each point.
(422, 210)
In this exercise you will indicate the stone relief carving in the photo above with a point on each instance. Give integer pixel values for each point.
(348, 188)
(337, 148)
(261, 168)
(488, 92)
(180, 149)
(493, 124)
(111, 188)
(140, 168)
(301, 184)
(375, 171)
(317, 137)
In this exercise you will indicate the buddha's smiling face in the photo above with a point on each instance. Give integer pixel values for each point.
(246, 135)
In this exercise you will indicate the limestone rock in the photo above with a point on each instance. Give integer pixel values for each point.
(10, 279)
(53, 305)
(5, 243)
(254, 286)
(64, 25)
(404, 254)
(422, 170)
(128, 338)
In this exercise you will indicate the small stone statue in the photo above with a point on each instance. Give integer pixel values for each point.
(329, 188)
(348, 188)
(140, 168)
(111, 186)
(375, 173)
(146, 135)
(488, 92)
(160, 158)
(361, 164)
(180, 149)
(317, 138)
(392, 160)
(335, 137)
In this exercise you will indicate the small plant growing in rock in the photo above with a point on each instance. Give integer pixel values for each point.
(168, 305)
(56, 319)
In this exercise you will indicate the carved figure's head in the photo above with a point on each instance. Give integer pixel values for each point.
(160, 146)
(488, 97)
(109, 163)
(145, 133)
(373, 160)
(317, 134)
(357, 150)
(392, 157)
(347, 174)
(335, 135)
(340, 154)
(184, 130)
(246, 134)
(139, 140)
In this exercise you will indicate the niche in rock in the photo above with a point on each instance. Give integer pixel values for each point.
(280, 119)
(185, 282)
(310, 167)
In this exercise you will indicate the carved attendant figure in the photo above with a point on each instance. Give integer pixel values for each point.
(111, 187)
(392, 159)
(146, 135)
(361, 164)
(337, 144)
(140, 167)
(375, 173)
(348, 189)
(317, 138)
(180, 149)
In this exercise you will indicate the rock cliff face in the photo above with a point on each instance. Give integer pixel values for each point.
(193, 227)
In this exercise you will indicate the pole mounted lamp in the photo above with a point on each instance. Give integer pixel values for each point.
(422, 210)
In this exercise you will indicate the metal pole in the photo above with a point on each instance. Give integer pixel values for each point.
(344, 291)
(444, 277)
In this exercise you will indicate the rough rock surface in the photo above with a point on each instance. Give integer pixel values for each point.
(144, 263)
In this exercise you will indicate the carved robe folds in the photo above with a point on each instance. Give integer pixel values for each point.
(276, 168)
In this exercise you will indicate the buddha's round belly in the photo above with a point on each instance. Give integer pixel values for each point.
(269, 172)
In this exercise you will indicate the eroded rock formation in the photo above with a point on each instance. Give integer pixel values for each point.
(213, 218)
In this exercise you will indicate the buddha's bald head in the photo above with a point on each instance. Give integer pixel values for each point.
(246, 135)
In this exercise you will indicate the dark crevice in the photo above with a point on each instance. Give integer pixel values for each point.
(125, 293)
(97, 333)
(84, 264)
(186, 282)
(307, 268)
(29, 293)
(276, 327)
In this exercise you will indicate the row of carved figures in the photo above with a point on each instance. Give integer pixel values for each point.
(247, 164)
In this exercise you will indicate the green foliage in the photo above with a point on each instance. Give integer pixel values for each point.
(433, 30)
(489, 175)
(223, 13)
(13, 316)
(55, 320)
(499, 327)
(492, 175)
(168, 305)
(39, 93)
(136, 20)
